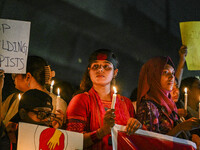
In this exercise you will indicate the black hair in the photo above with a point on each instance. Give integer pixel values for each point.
(133, 96)
(86, 82)
(36, 67)
(187, 82)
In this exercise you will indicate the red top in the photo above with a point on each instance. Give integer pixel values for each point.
(85, 113)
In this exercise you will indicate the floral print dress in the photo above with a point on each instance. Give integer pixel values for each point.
(154, 117)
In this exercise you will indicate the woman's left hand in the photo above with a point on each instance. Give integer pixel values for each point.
(182, 52)
(132, 126)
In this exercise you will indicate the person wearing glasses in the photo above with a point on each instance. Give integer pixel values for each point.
(90, 111)
(35, 107)
(38, 75)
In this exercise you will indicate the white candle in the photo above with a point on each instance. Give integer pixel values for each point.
(19, 96)
(58, 92)
(186, 97)
(51, 87)
(58, 99)
(114, 98)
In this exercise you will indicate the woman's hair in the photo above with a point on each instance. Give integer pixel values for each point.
(36, 67)
(100, 54)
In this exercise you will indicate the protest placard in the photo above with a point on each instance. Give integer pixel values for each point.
(14, 41)
(190, 35)
(36, 137)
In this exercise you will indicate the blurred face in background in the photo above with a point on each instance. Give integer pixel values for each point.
(20, 82)
(194, 95)
(175, 92)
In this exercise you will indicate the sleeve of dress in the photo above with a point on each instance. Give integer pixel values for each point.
(5, 105)
(148, 115)
(77, 113)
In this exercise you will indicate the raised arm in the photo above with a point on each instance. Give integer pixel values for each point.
(180, 67)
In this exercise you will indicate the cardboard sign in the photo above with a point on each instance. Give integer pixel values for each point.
(36, 137)
(14, 41)
(190, 35)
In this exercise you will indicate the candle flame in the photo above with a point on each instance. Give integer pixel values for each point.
(52, 82)
(58, 91)
(115, 90)
(19, 96)
(185, 90)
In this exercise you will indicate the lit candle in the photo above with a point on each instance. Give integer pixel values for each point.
(114, 98)
(51, 87)
(58, 92)
(19, 96)
(58, 99)
(186, 97)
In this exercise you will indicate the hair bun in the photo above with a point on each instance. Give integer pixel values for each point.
(48, 74)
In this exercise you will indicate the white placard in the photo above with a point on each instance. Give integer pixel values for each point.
(14, 41)
(36, 137)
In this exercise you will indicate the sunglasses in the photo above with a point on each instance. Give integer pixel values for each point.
(43, 114)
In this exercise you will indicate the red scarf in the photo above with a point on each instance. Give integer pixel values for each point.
(98, 111)
(149, 86)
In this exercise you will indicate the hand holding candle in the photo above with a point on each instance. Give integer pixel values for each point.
(186, 97)
(51, 87)
(114, 98)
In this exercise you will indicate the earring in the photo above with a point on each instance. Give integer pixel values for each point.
(29, 84)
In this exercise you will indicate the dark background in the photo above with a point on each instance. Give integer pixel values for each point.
(65, 32)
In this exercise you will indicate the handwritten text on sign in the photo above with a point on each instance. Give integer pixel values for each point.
(14, 41)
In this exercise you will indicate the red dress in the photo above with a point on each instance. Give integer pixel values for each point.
(85, 114)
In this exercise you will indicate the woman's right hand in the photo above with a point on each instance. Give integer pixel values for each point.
(108, 123)
(190, 124)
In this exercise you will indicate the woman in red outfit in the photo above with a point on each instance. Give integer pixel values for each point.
(90, 112)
